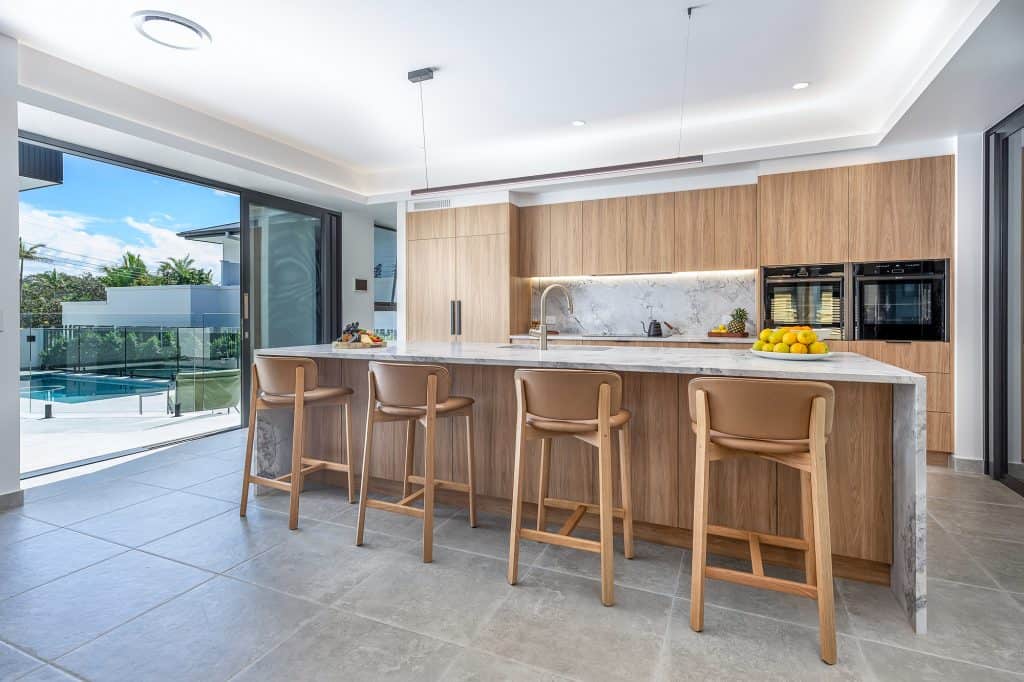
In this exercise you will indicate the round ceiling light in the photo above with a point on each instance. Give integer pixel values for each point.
(578, 123)
(801, 85)
(171, 30)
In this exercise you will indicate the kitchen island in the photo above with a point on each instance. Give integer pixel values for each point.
(875, 456)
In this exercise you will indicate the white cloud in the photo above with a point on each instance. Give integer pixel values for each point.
(160, 244)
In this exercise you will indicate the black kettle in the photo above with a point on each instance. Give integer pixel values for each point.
(653, 328)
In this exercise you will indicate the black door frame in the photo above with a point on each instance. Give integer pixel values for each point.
(996, 299)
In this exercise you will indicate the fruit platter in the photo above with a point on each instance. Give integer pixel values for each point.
(790, 343)
(353, 336)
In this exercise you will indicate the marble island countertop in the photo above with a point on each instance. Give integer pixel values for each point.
(848, 367)
(681, 338)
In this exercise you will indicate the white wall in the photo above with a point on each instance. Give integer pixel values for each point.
(357, 262)
(186, 305)
(10, 446)
(968, 313)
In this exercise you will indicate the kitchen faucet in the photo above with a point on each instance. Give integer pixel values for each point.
(544, 312)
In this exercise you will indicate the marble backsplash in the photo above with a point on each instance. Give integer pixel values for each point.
(693, 302)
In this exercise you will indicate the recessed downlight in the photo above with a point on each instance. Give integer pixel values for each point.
(170, 30)
(579, 123)
(801, 85)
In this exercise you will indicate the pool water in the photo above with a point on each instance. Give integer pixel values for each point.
(66, 387)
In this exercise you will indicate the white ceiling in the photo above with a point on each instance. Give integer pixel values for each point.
(328, 78)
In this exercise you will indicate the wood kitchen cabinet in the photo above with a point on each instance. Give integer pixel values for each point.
(605, 237)
(551, 240)
(695, 230)
(650, 220)
(430, 288)
(472, 221)
(901, 210)
(430, 224)
(535, 241)
(804, 218)
(716, 229)
(482, 287)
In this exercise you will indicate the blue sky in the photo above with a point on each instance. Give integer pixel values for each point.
(102, 210)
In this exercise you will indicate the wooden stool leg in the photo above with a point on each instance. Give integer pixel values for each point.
(627, 493)
(254, 388)
(364, 474)
(604, 479)
(429, 446)
(807, 519)
(469, 469)
(347, 414)
(822, 539)
(543, 485)
(700, 517)
(298, 433)
(410, 449)
(517, 488)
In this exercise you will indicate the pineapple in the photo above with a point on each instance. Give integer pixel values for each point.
(738, 323)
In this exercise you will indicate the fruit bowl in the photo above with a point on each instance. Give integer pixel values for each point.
(797, 357)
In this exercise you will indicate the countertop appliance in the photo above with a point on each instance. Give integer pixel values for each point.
(901, 301)
(812, 295)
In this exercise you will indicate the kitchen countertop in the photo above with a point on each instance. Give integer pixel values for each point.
(706, 361)
(660, 339)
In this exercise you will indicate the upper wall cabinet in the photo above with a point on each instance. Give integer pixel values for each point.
(902, 209)
(438, 224)
(651, 226)
(551, 240)
(716, 229)
(804, 217)
(534, 241)
(695, 230)
(605, 237)
(476, 221)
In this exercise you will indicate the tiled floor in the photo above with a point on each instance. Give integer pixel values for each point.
(144, 571)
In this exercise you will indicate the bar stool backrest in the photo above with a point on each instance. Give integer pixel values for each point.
(567, 394)
(761, 409)
(276, 374)
(405, 385)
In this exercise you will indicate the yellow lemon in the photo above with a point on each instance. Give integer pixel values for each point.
(781, 348)
(789, 338)
(757, 345)
(776, 336)
(765, 334)
(798, 348)
(806, 337)
(818, 348)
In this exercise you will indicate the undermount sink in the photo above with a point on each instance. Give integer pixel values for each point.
(580, 349)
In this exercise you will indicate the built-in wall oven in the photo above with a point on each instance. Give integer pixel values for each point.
(813, 295)
(901, 301)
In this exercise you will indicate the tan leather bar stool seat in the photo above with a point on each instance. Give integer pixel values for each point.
(787, 422)
(581, 404)
(415, 394)
(279, 382)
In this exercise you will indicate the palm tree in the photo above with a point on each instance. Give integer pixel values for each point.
(183, 271)
(131, 271)
(26, 252)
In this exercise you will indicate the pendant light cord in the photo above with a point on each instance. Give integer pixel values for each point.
(686, 70)
(423, 130)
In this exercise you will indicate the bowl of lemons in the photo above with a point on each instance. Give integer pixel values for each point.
(790, 343)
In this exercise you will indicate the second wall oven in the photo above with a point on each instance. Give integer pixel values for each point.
(901, 301)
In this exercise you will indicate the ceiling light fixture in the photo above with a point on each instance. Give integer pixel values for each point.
(417, 77)
(801, 85)
(579, 123)
(171, 30)
(674, 162)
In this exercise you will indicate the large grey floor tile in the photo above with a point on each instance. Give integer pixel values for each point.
(322, 563)
(207, 634)
(14, 664)
(47, 673)
(557, 622)
(490, 536)
(382, 521)
(53, 619)
(477, 666)
(1004, 561)
(15, 527)
(448, 599)
(1001, 522)
(323, 504)
(788, 607)
(974, 488)
(226, 540)
(147, 521)
(342, 644)
(890, 663)
(227, 488)
(964, 622)
(64, 510)
(35, 561)
(186, 473)
(738, 646)
(949, 560)
(655, 568)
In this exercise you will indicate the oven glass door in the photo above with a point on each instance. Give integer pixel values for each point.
(900, 310)
(818, 304)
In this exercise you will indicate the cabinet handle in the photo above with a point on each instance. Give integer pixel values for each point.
(458, 317)
(451, 316)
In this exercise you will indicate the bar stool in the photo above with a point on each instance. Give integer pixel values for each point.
(582, 404)
(787, 422)
(294, 382)
(415, 393)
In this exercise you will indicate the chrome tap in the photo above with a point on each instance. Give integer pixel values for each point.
(544, 312)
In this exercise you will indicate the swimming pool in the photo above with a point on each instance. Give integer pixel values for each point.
(68, 387)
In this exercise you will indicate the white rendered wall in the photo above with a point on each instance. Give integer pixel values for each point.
(357, 262)
(10, 446)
